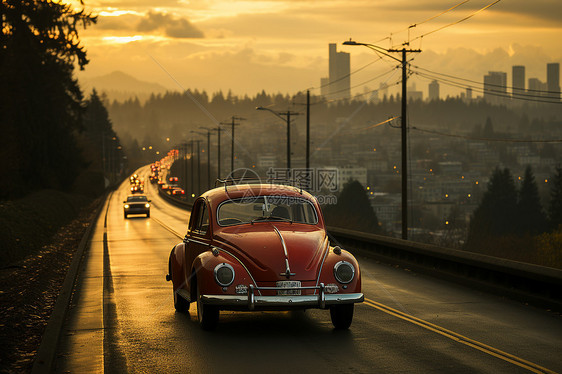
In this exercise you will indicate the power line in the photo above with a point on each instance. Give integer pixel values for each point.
(505, 140)
(427, 20)
(457, 22)
(478, 89)
(365, 82)
(347, 75)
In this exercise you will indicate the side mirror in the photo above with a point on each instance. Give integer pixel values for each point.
(149, 201)
(124, 201)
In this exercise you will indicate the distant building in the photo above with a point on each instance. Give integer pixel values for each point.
(433, 91)
(553, 81)
(468, 94)
(518, 80)
(339, 73)
(324, 86)
(536, 87)
(495, 87)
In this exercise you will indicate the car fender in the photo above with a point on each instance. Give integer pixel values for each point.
(176, 266)
(204, 267)
(327, 274)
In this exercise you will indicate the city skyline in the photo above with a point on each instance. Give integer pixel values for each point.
(280, 46)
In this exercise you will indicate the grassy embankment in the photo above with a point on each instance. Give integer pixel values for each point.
(28, 223)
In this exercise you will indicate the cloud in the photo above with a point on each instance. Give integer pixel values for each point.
(172, 26)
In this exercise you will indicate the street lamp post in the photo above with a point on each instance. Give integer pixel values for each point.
(288, 114)
(404, 123)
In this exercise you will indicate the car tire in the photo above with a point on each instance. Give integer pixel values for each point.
(342, 316)
(125, 214)
(148, 215)
(180, 304)
(208, 315)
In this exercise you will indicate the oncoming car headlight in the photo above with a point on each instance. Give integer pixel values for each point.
(147, 205)
(224, 274)
(344, 272)
(126, 206)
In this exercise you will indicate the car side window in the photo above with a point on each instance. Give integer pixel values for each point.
(201, 225)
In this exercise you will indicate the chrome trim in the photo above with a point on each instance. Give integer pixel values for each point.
(323, 261)
(282, 241)
(198, 242)
(222, 265)
(287, 272)
(298, 301)
(340, 263)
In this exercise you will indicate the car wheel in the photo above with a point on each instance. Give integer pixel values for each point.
(180, 303)
(125, 214)
(148, 215)
(208, 315)
(342, 315)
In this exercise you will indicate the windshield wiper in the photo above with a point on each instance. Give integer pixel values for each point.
(267, 218)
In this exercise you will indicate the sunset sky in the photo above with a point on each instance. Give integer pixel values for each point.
(282, 46)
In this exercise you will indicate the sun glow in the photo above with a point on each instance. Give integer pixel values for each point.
(122, 39)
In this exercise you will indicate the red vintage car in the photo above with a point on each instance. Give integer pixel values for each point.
(261, 247)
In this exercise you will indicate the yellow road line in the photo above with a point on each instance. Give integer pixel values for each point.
(167, 227)
(460, 338)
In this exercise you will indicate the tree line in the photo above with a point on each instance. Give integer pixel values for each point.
(50, 133)
(511, 222)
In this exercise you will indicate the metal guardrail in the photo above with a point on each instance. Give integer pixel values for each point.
(533, 284)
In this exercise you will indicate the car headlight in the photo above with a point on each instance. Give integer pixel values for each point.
(344, 272)
(147, 205)
(224, 274)
(126, 206)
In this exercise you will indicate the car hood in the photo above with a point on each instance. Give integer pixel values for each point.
(266, 248)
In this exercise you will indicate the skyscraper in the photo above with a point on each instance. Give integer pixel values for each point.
(553, 81)
(518, 81)
(433, 91)
(495, 87)
(339, 70)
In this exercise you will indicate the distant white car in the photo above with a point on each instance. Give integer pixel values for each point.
(136, 204)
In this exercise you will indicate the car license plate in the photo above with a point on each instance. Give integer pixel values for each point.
(288, 284)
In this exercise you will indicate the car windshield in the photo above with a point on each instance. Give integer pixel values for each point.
(133, 199)
(266, 208)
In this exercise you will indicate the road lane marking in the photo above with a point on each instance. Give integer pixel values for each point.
(167, 227)
(460, 338)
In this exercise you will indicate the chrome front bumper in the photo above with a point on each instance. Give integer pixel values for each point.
(251, 301)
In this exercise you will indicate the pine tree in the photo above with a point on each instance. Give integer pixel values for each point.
(529, 210)
(353, 210)
(40, 100)
(495, 216)
(555, 208)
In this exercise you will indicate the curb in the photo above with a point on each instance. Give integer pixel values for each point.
(46, 354)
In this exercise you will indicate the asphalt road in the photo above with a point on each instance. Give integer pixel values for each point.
(122, 319)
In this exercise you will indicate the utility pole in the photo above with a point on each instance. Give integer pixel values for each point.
(198, 185)
(208, 159)
(404, 127)
(218, 129)
(191, 174)
(233, 123)
(307, 130)
(288, 114)
(404, 131)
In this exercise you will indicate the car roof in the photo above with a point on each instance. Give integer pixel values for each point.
(219, 194)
